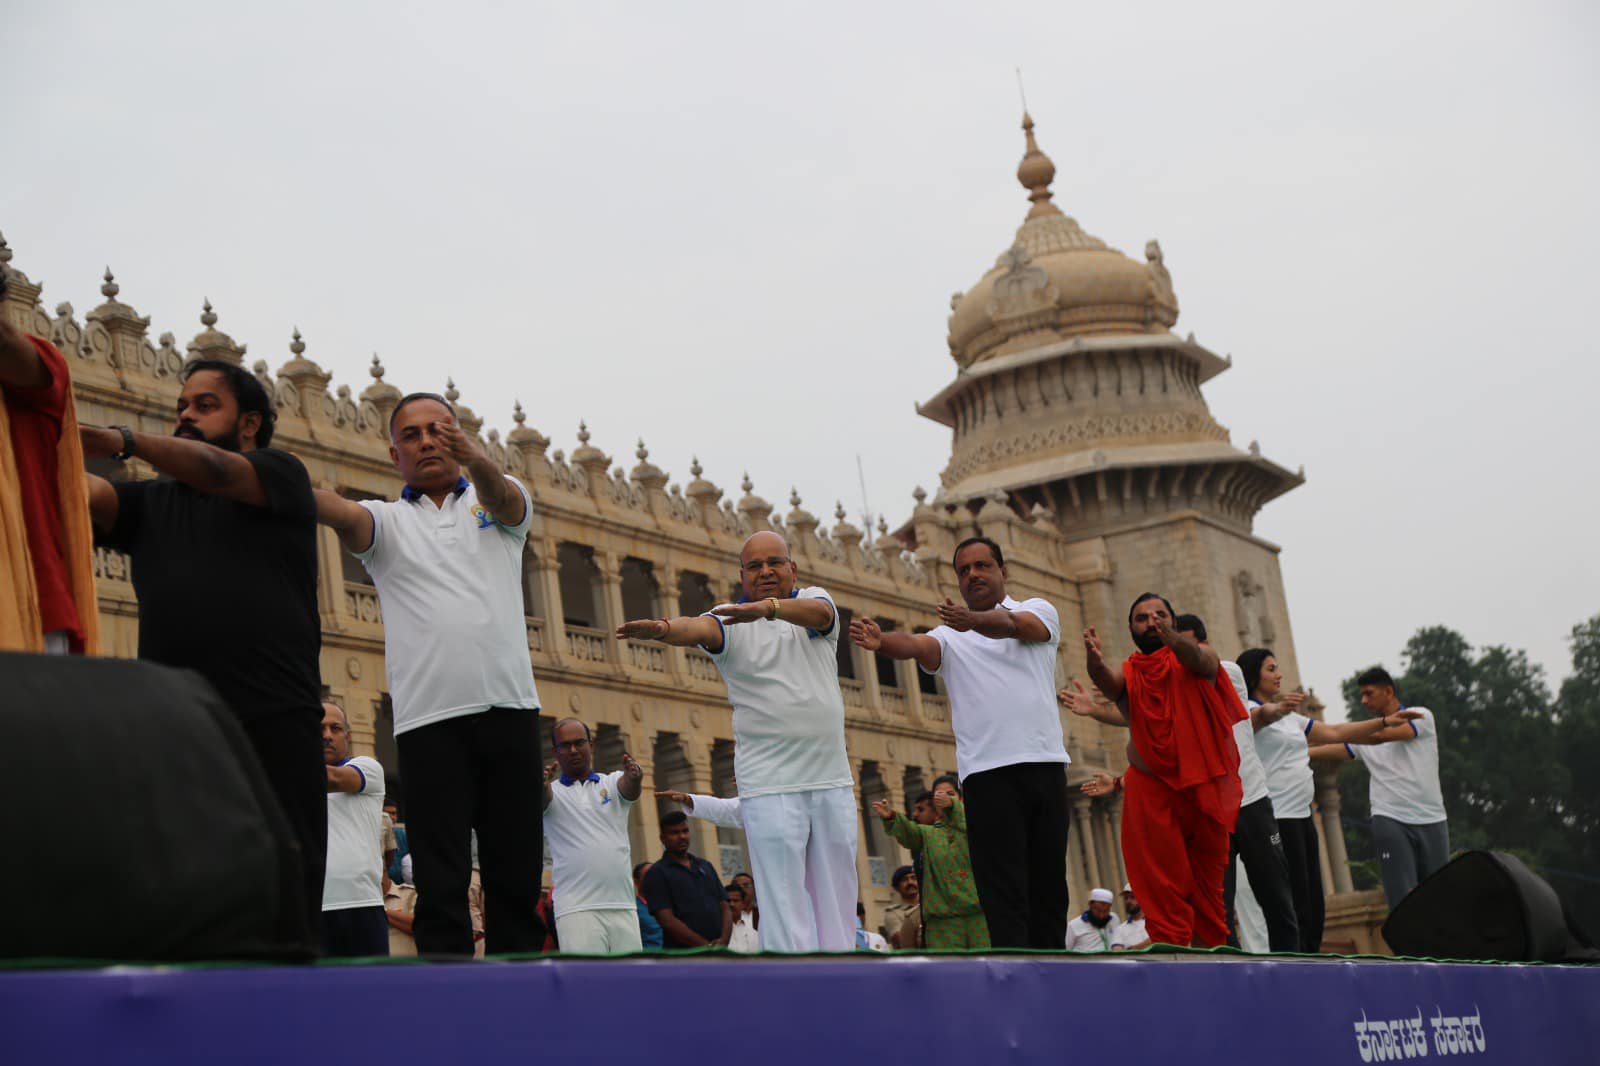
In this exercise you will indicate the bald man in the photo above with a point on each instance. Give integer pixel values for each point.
(777, 649)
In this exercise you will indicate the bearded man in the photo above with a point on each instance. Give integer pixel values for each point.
(224, 560)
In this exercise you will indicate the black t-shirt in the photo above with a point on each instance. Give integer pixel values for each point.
(226, 589)
(694, 893)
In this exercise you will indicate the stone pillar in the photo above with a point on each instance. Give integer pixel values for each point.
(894, 783)
(1336, 860)
(611, 585)
(555, 626)
(1078, 880)
(1083, 826)
(863, 871)
(1111, 854)
(644, 834)
(668, 604)
(1115, 804)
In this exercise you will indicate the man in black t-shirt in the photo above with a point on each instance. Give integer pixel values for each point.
(225, 568)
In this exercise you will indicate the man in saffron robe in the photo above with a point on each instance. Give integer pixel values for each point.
(1182, 786)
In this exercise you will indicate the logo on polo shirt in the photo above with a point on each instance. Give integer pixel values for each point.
(485, 519)
(605, 795)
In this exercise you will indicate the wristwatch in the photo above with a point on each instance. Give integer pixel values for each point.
(127, 444)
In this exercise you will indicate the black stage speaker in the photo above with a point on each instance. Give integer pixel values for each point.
(135, 821)
(1481, 905)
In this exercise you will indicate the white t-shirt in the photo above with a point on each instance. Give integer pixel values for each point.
(788, 714)
(1129, 934)
(1251, 774)
(450, 583)
(1287, 760)
(355, 841)
(587, 826)
(1405, 773)
(1085, 936)
(1003, 694)
(744, 939)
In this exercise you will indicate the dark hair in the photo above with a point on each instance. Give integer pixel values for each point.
(900, 874)
(922, 797)
(733, 886)
(413, 397)
(248, 392)
(1375, 675)
(861, 909)
(999, 556)
(1250, 663)
(672, 818)
(587, 735)
(637, 868)
(1190, 623)
(948, 779)
(1150, 596)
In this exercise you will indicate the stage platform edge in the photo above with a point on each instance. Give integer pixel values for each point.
(1197, 1010)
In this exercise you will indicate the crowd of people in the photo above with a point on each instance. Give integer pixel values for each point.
(1219, 756)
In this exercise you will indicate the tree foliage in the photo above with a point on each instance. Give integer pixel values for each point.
(1516, 765)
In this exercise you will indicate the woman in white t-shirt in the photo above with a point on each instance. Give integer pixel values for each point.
(1283, 736)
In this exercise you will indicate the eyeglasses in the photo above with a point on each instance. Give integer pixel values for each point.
(755, 566)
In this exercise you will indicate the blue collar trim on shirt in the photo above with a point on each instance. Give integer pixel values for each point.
(570, 781)
(411, 495)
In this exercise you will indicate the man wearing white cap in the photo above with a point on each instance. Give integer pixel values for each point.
(1094, 929)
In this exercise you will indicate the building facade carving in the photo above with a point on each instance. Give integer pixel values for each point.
(1081, 442)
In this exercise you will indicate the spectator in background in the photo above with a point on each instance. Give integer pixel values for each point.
(392, 810)
(748, 883)
(895, 915)
(650, 937)
(1130, 934)
(353, 919)
(743, 938)
(866, 939)
(399, 901)
(952, 918)
(46, 541)
(684, 892)
(1094, 929)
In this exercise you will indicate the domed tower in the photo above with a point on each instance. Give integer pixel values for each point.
(1072, 394)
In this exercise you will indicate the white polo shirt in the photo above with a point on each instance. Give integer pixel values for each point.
(1287, 760)
(450, 582)
(788, 715)
(1404, 774)
(1083, 935)
(1251, 774)
(1003, 694)
(355, 841)
(1129, 934)
(587, 826)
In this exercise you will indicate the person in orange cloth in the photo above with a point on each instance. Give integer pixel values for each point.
(47, 595)
(1182, 783)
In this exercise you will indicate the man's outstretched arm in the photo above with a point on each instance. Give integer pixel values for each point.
(866, 633)
(683, 631)
(352, 521)
(996, 624)
(203, 467)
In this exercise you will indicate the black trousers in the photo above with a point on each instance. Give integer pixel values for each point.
(1017, 827)
(480, 771)
(1305, 879)
(355, 932)
(289, 748)
(1257, 840)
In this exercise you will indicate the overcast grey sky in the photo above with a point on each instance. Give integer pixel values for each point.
(733, 230)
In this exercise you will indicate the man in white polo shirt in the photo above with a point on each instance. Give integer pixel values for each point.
(1096, 928)
(586, 820)
(447, 562)
(997, 656)
(1409, 828)
(777, 650)
(353, 921)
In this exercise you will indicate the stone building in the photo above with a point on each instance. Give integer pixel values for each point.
(1081, 442)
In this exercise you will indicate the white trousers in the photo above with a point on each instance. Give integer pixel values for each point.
(803, 857)
(603, 932)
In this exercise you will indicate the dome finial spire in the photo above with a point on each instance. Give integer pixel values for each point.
(1036, 172)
